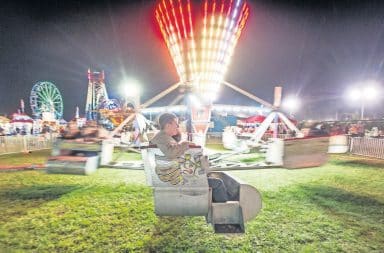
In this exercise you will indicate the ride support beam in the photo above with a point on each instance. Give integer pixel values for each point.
(248, 94)
(160, 95)
(146, 104)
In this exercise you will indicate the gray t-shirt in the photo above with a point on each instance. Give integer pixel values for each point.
(169, 146)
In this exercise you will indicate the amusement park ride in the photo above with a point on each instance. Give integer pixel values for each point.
(46, 98)
(96, 94)
(47, 106)
(201, 39)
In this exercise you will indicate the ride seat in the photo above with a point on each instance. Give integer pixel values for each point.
(244, 204)
(180, 186)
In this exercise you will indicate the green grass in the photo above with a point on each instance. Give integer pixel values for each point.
(125, 155)
(35, 157)
(40, 157)
(216, 147)
(335, 208)
(251, 157)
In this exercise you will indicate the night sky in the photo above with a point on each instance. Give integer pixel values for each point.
(314, 49)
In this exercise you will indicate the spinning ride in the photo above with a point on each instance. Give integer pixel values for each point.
(201, 50)
(46, 98)
(201, 39)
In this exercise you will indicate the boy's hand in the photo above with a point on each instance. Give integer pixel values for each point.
(188, 171)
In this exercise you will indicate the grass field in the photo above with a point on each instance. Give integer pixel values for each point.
(335, 208)
(36, 157)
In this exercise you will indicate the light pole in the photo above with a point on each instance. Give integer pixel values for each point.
(364, 92)
(131, 90)
(291, 104)
(362, 109)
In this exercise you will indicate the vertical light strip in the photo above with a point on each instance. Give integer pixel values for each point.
(167, 36)
(178, 39)
(171, 38)
(237, 31)
(218, 42)
(174, 33)
(204, 48)
(169, 31)
(230, 35)
(208, 74)
(227, 31)
(185, 44)
(192, 43)
(182, 20)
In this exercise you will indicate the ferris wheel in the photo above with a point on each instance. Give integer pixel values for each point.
(45, 97)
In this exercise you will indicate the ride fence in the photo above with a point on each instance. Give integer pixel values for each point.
(214, 138)
(365, 146)
(267, 136)
(25, 143)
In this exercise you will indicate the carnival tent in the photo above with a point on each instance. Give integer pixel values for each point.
(254, 119)
(261, 118)
(21, 123)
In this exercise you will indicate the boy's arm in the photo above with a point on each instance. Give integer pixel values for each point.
(173, 150)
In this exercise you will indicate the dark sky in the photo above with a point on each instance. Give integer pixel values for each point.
(315, 49)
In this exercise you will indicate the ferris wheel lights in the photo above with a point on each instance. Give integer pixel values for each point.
(46, 98)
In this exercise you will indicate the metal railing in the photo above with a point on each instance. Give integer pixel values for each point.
(267, 136)
(372, 147)
(216, 137)
(25, 143)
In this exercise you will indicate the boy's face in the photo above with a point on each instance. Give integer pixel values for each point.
(172, 128)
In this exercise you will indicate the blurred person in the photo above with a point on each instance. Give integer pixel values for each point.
(72, 131)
